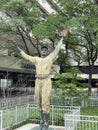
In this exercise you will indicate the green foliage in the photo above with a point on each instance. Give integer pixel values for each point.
(25, 17)
(19, 17)
(82, 22)
(48, 27)
(70, 85)
(21, 13)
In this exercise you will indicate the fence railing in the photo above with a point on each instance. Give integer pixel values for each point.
(16, 115)
(75, 101)
(8, 102)
(94, 93)
(56, 114)
(12, 116)
(67, 116)
(80, 122)
(55, 100)
(70, 125)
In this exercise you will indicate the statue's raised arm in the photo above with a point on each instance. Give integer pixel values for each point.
(54, 54)
(23, 54)
(26, 56)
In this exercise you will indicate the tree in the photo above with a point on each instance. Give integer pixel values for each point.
(28, 20)
(69, 85)
(19, 17)
(80, 16)
(83, 20)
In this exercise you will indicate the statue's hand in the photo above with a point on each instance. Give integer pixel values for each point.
(65, 32)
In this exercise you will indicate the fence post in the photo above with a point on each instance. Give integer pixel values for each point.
(82, 103)
(65, 127)
(1, 120)
(52, 114)
(27, 111)
(20, 100)
(16, 116)
(28, 99)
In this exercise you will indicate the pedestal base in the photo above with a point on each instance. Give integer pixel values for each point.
(38, 128)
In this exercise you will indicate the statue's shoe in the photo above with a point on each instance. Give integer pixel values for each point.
(46, 126)
(40, 128)
(41, 124)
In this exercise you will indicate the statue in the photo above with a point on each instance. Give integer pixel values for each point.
(43, 83)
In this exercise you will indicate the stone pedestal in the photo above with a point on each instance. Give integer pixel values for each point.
(38, 128)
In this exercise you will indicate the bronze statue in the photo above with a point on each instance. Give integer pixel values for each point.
(43, 83)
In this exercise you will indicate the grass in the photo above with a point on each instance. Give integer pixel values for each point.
(86, 122)
(91, 111)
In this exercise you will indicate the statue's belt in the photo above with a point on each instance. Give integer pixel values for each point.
(41, 77)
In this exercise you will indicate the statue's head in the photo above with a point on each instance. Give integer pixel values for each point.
(44, 51)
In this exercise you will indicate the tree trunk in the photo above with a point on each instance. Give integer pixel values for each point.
(90, 79)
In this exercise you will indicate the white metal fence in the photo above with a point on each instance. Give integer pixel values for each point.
(93, 101)
(13, 101)
(55, 100)
(12, 116)
(16, 115)
(75, 101)
(56, 113)
(80, 122)
(67, 116)
(70, 125)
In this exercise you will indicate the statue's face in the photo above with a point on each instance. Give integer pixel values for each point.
(44, 51)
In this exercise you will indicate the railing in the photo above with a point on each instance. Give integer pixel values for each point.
(67, 116)
(75, 101)
(93, 101)
(56, 114)
(55, 100)
(16, 115)
(81, 122)
(94, 93)
(8, 102)
(12, 116)
(70, 124)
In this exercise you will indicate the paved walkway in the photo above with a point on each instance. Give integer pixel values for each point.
(30, 126)
(26, 127)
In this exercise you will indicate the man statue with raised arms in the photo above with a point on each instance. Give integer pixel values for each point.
(43, 83)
